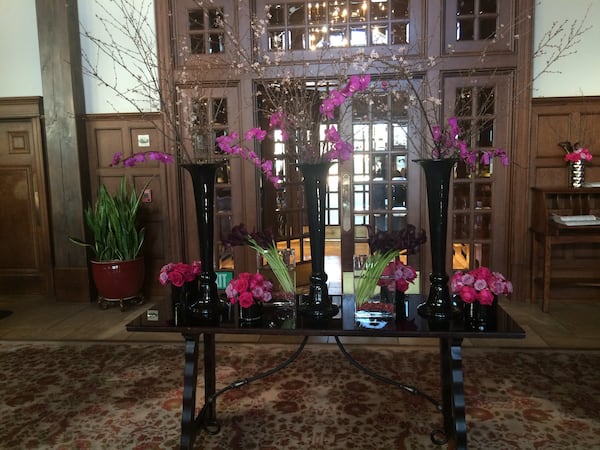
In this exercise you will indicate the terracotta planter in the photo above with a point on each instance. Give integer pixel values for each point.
(118, 280)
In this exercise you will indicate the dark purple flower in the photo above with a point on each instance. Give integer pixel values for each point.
(407, 239)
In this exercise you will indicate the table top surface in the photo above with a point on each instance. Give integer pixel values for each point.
(284, 319)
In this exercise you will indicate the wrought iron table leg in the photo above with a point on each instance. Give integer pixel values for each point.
(189, 421)
(453, 398)
(190, 379)
(210, 377)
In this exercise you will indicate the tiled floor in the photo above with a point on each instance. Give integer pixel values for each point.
(567, 325)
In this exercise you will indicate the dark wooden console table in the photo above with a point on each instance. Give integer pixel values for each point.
(547, 233)
(158, 318)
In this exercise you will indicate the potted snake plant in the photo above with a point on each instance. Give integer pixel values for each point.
(116, 244)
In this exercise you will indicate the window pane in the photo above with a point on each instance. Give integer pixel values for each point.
(316, 13)
(487, 28)
(220, 111)
(296, 39)
(483, 195)
(486, 134)
(487, 6)
(215, 42)
(379, 35)
(196, 20)
(215, 18)
(358, 10)
(337, 37)
(465, 7)
(197, 44)
(380, 137)
(465, 30)
(379, 107)
(487, 101)
(461, 224)
(379, 10)
(276, 40)
(464, 101)
(276, 16)
(358, 36)
(400, 34)
(400, 136)
(296, 14)
(399, 9)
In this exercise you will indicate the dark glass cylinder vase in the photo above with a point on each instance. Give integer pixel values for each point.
(439, 304)
(317, 305)
(206, 308)
(480, 317)
(182, 297)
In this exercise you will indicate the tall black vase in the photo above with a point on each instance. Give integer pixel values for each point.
(317, 305)
(206, 308)
(439, 303)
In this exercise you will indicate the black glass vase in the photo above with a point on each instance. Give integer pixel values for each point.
(480, 317)
(317, 305)
(439, 304)
(182, 297)
(205, 309)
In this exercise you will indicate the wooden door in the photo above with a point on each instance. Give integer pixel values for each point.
(25, 265)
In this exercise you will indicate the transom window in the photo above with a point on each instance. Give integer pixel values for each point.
(476, 20)
(205, 27)
(337, 23)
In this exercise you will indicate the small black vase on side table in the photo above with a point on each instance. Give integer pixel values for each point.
(206, 308)
(181, 299)
(439, 304)
(317, 305)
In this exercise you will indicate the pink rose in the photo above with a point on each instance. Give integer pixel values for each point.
(468, 294)
(176, 278)
(401, 285)
(246, 299)
(486, 297)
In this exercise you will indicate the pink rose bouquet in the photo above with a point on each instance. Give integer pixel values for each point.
(575, 152)
(179, 273)
(249, 288)
(480, 285)
(403, 275)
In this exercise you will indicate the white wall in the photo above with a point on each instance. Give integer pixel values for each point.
(99, 98)
(576, 74)
(19, 50)
(20, 74)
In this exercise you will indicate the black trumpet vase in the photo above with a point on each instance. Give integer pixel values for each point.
(317, 305)
(439, 304)
(206, 307)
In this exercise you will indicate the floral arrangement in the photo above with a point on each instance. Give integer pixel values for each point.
(448, 144)
(141, 157)
(264, 244)
(249, 288)
(179, 273)
(384, 247)
(290, 124)
(402, 275)
(575, 152)
(479, 285)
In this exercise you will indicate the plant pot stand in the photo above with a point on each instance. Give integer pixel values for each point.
(124, 303)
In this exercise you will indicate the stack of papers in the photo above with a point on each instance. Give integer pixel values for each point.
(577, 221)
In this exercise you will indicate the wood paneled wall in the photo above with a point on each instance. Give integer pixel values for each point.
(575, 119)
(131, 133)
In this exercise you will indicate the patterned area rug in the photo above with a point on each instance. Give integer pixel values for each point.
(128, 396)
